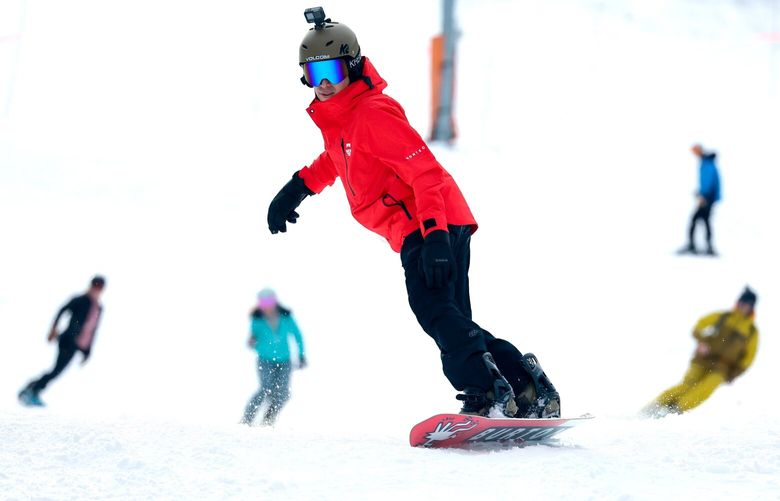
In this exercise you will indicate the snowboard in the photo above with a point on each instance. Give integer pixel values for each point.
(463, 430)
(686, 252)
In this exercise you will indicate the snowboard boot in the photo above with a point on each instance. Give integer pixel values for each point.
(539, 399)
(269, 419)
(688, 249)
(498, 402)
(474, 401)
(654, 410)
(30, 398)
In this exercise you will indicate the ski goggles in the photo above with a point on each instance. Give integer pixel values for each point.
(334, 70)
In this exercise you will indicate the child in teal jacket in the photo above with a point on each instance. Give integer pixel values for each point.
(273, 328)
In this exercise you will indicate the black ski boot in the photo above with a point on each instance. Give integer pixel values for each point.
(499, 402)
(539, 399)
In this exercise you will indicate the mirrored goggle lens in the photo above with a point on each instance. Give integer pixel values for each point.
(334, 70)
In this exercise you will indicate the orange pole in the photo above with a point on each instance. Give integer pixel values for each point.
(437, 57)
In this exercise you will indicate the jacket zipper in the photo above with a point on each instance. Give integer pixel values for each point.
(346, 167)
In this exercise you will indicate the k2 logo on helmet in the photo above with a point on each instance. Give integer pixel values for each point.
(344, 49)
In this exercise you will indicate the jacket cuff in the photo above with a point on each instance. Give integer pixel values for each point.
(430, 225)
(302, 183)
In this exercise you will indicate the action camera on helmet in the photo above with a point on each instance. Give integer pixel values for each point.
(316, 16)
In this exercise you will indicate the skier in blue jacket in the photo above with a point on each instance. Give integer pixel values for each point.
(706, 196)
(272, 329)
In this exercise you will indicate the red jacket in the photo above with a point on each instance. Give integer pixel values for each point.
(393, 182)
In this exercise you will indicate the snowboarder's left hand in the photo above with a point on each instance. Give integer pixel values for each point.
(437, 263)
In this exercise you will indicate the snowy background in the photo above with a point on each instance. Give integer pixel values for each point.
(145, 140)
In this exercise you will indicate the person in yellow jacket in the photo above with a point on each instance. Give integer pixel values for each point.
(727, 344)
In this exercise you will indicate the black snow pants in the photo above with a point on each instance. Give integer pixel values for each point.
(445, 315)
(67, 350)
(702, 213)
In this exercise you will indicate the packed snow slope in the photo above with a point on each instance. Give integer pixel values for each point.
(144, 141)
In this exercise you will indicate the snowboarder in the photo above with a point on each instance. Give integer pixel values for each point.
(706, 196)
(396, 188)
(726, 345)
(85, 311)
(272, 328)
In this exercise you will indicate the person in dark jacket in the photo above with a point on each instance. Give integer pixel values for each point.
(706, 197)
(396, 188)
(85, 311)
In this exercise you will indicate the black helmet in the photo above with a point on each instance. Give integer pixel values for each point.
(748, 297)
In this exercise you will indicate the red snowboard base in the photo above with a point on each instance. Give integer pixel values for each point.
(461, 430)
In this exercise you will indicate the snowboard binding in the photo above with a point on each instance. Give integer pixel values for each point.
(539, 399)
(498, 402)
(503, 397)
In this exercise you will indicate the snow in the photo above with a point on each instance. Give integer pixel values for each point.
(144, 142)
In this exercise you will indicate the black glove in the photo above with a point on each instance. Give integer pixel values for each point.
(282, 208)
(437, 263)
(302, 362)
